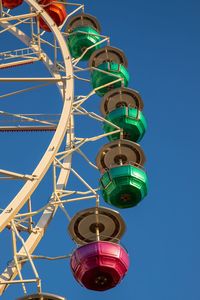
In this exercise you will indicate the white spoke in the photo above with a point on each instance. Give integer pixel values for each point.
(25, 90)
(14, 175)
(25, 79)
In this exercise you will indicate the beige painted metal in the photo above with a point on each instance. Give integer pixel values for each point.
(34, 239)
(25, 193)
(27, 128)
(24, 16)
(16, 175)
(27, 117)
(18, 63)
(34, 79)
(38, 231)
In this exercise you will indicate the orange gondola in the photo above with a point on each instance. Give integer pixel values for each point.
(56, 11)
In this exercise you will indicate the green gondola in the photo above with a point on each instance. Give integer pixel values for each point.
(131, 120)
(108, 65)
(82, 38)
(84, 32)
(124, 186)
(113, 71)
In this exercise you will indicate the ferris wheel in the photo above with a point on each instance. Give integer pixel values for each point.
(69, 44)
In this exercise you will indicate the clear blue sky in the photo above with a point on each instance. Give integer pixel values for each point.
(161, 40)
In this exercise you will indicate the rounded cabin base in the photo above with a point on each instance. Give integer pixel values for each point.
(100, 265)
(124, 186)
(116, 71)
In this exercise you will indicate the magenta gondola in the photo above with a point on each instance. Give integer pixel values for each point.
(99, 265)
